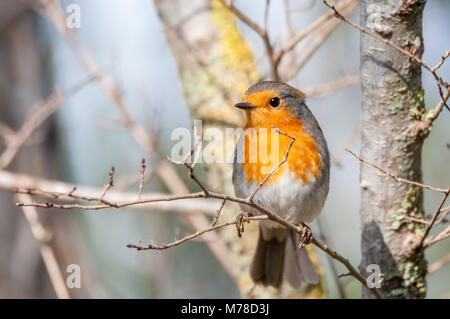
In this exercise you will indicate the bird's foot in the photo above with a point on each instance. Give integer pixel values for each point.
(240, 219)
(306, 236)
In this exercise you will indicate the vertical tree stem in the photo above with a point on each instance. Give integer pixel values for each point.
(392, 101)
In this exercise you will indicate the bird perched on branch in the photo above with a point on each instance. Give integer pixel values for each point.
(281, 131)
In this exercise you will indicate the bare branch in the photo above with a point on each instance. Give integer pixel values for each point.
(141, 180)
(318, 23)
(341, 17)
(433, 114)
(399, 179)
(323, 89)
(433, 221)
(190, 237)
(107, 186)
(316, 42)
(216, 218)
(52, 189)
(47, 254)
(41, 112)
(441, 236)
(444, 57)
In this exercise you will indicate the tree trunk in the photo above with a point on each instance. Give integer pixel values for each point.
(392, 102)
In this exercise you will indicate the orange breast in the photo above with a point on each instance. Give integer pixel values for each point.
(263, 152)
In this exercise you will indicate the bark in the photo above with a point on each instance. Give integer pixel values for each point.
(216, 66)
(392, 102)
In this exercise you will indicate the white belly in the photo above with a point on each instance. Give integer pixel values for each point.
(288, 198)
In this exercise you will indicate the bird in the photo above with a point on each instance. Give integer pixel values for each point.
(296, 190)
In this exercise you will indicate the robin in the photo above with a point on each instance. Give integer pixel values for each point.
(296, 190)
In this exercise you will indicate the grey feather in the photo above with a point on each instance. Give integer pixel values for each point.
(268, 262)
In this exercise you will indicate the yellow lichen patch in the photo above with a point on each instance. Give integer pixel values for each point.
(235, 53)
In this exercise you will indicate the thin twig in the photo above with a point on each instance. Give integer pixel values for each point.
(53, 189)
(398, 179)
(441, 236)
(250, 197)
(444, 57)
(433, 114)
(341, 17)
(433, 219)
(334, 272)
(190, 237)
(191, 167)
(107, 186)
(216, 218)
(141, 180)
(318, 23)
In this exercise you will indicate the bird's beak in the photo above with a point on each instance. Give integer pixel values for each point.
(245, 106)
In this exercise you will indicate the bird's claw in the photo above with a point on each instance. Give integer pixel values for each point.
(306, 236)
(240, 219)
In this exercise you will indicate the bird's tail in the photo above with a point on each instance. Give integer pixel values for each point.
(273, 258)
(298, 265)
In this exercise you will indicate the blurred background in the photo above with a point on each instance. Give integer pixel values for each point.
(131, 41)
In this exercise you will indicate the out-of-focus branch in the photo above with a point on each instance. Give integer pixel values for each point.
(317, 40)
(40, 112)
(329, 87)
(438, 264)
(65, 192)
(47, 254)
(323, 25)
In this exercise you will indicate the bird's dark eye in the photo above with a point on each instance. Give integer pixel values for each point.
(274, 102)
